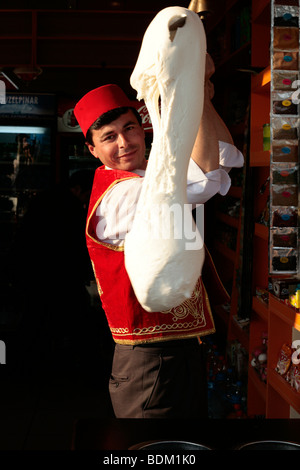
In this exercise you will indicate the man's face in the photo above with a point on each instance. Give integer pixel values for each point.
(121, 144)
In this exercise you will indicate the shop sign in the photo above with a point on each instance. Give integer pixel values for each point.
(2, 352)
(2, 92)
(144, 113)
(24, 105)
(66, 120)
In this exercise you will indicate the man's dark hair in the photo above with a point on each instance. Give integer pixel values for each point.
(107, 118)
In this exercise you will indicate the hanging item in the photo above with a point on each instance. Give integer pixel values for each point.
(284, 138)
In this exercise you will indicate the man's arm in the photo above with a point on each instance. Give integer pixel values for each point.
(212, 128)
(206, 148)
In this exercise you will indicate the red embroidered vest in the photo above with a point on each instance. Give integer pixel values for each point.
(128, 321)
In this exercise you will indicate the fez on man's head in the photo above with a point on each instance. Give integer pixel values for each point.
(97, 102)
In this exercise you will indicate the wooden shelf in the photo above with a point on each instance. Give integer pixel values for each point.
(261, 35)
(260, 158)
(227, 219)
(283, 388)
(287, 313)
(261, 82)
(261, 231)
(69, 38)
(276, 318)
(222, 313)
(261, 11)
(260, 308)
(239, 333)
(259, 384)
(235, 191)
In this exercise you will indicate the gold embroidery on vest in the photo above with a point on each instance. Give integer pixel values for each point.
(100, 291)
(123, 331)
(189, 306)
(175, 326)
(161, 328)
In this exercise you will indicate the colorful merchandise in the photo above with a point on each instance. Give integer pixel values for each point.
(284, 137)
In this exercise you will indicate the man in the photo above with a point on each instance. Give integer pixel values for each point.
(158, 369)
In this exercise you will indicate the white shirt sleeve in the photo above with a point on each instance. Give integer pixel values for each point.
(230, 156)
(202, 186)
(114, 216)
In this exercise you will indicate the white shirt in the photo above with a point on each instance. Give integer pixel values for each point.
(115, 213)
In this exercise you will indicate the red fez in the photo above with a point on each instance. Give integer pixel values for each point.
(97, 102)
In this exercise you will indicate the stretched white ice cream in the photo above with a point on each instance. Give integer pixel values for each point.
(171, 65)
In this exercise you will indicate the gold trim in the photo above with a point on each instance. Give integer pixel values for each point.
(163, 338)
(107, 245)
(189, 306)
(100, 291)
(200, 320)
(208, 306)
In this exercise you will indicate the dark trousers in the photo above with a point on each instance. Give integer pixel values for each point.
(159, 380)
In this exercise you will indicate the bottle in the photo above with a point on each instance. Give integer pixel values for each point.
(237, 412)
(235, 393)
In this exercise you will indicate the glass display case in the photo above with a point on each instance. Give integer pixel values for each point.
(25, 159)
(27, 163)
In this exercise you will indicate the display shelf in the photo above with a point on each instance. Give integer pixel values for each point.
(260, 35)
(280, 395)
(261, 11)
(256, 387)
(261, 231)
(256, 400)
(222, 313)
(260, 115)
(276, 406)
(228, 33)
(261, 82)
(235, 191)
(227, 219)
(261, 191)
(258, 329)
(239, 333)
(260, 157)
(68, 38)
(261, 308)
(286, 392)
(274, 320)
(287, 313)
(259, 385)
(259, 268)
(260, 170)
